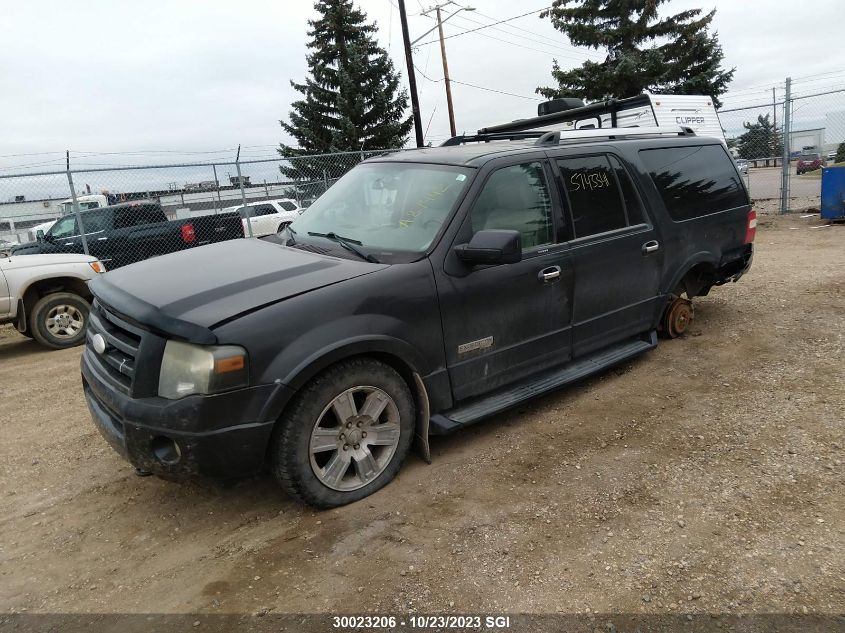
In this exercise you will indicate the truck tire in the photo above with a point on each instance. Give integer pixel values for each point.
(345, 435)
(282, 227)
(58, 320)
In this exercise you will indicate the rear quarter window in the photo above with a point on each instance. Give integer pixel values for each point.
(694, 180)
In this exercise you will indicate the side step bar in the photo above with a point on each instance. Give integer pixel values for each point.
(474, 411)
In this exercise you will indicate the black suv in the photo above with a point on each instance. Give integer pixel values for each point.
(425, 291)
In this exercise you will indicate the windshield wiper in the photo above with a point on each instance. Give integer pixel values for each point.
(347, 243)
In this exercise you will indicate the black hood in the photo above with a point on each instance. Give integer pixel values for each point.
(208, 285)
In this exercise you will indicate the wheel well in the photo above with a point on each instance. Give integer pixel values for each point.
(44, 287)
(398, 364)
(697, 280)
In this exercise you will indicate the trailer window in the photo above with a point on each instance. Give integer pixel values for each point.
(695, 180)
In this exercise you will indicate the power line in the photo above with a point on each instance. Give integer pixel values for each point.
(518, 45)
(534, 35)
(516, 17)
(501, 92)
(463, 83)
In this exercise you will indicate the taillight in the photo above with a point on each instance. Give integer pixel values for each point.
(750, 227)
(188, 233)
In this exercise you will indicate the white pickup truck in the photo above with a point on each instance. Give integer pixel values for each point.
(47, 297)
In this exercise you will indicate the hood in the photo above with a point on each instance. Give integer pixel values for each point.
(32, 261)
(206, 285)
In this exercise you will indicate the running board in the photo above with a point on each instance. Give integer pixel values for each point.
(454, 419)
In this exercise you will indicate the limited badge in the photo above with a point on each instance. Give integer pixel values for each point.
(482, 343)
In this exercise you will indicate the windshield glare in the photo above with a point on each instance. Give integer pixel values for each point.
(386, 207)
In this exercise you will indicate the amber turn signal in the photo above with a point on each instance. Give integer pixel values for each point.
(226, 365)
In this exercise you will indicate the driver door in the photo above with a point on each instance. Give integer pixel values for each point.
(508, 321)
(63, 237)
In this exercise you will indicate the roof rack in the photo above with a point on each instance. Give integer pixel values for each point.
(553, 137)
(504, 136)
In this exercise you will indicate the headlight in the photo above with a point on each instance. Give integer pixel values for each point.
(188, 369)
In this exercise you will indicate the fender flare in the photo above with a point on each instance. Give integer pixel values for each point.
(403, 352)
(690, 263)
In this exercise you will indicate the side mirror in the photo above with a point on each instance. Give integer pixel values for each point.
(491, 247)
(39, 235)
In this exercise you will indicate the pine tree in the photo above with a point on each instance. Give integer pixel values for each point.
(350, 101)
(669, 55)
(761, 139)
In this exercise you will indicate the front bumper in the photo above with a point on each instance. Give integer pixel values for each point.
(223, 435)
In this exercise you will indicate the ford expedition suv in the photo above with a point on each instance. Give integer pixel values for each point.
(423, 292)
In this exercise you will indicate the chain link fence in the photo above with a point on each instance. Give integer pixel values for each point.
(782, 138)
(159, 209)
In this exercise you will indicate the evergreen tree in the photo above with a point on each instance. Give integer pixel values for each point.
(670, 55)
(840, 154)
(760, 140)
(350, 101)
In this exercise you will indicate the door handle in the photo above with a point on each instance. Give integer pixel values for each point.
(650, 247)
(549, 274)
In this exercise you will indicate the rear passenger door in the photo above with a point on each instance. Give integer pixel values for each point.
(615, 250)
(264, 219)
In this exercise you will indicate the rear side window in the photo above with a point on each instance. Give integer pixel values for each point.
(694, 180)
(263, 209)
(593, 195)
(633, 207)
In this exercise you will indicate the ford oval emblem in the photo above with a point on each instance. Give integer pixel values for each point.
(98, 343)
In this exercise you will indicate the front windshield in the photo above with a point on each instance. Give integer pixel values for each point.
(386, 207)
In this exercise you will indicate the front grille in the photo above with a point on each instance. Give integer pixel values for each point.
(123, 344)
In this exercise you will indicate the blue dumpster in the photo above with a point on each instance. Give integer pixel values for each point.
(833, 193)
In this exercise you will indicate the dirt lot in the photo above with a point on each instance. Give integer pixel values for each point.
(705, 476)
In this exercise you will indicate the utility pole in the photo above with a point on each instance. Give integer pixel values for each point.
(412, 79)
(439, 27)
(446, 75)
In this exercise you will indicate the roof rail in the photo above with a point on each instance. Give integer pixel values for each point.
(504, 136)
(553, 137)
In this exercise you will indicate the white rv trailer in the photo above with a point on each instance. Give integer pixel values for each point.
(645, 110)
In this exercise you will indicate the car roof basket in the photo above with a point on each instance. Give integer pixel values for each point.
(554, 137)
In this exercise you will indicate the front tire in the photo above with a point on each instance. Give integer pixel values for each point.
(58, 320)
(345, 435)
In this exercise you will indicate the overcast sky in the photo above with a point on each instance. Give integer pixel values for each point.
(164, 79)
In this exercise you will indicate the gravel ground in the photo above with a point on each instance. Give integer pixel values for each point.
(703, 477)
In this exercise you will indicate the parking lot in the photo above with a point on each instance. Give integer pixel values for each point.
(705, 476)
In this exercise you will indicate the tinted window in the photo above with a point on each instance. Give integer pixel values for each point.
(633, 207)
(694, 180)
(516, 198)
(264, 209)
(287, 206)
(593, 195)
(123, 218)
(66, 227)
(95, 221)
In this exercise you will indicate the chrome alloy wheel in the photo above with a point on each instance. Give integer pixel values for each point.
(64, 321)
(354, 438)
